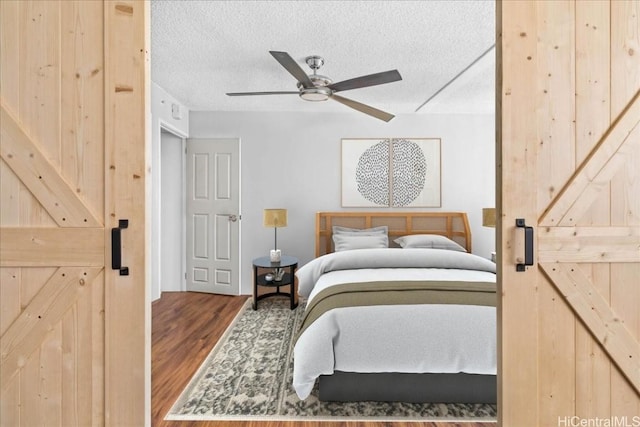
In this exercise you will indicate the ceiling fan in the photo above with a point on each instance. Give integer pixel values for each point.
(315, 87)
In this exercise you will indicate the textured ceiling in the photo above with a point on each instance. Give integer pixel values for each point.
(202, 49)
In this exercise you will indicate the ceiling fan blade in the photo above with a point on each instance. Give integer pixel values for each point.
(263, 93)
(365, 81)
(378, 114)
(293, 68)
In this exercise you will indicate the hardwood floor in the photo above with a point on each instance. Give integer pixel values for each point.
(185, 327)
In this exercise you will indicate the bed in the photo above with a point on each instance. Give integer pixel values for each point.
(397, 309)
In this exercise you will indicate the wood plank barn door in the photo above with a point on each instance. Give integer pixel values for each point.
(73, 83)
(569, 166)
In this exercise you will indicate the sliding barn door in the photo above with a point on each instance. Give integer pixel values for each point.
(73, 89)
(569, 166)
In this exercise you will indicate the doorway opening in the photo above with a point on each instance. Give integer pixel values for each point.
(168, 225)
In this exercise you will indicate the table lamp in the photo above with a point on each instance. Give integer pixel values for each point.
(275, 218)
(489, 220)
(489, 217)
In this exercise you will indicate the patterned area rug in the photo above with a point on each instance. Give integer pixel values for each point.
(248, 376)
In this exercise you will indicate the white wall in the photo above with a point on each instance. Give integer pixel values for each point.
(161, 118)
(293, 161)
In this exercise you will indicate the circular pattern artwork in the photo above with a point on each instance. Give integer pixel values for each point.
(409, 172)
(408, 178)
(372, 173)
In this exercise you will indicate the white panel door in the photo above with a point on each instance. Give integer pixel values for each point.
(213, 215)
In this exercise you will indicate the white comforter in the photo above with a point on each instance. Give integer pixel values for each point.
(395, 338)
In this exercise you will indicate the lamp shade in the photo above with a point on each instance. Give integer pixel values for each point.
(489, 217)
(275, 218)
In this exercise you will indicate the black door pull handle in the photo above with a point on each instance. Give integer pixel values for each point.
(528, 244)
(116, 247)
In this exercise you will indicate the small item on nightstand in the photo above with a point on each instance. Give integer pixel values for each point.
(279, 273)
(268, 277)
(275, 255)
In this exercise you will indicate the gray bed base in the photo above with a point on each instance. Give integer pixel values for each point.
(403, 387)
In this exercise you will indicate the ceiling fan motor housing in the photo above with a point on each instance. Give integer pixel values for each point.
(320, 92)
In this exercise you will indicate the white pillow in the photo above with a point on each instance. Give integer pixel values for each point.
(346, 242)
(383, 229)
(434, 241)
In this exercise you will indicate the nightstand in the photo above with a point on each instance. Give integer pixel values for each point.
(262, 267)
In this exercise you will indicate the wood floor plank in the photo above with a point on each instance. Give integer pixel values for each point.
(185, 327)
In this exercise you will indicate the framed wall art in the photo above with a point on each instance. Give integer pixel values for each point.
(392, 172)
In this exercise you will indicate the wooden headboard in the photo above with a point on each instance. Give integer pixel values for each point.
(453, 225)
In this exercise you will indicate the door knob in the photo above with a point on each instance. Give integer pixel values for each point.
(233, 217)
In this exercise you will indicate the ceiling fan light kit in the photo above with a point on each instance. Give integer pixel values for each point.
(315, 87)
(316, 94)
